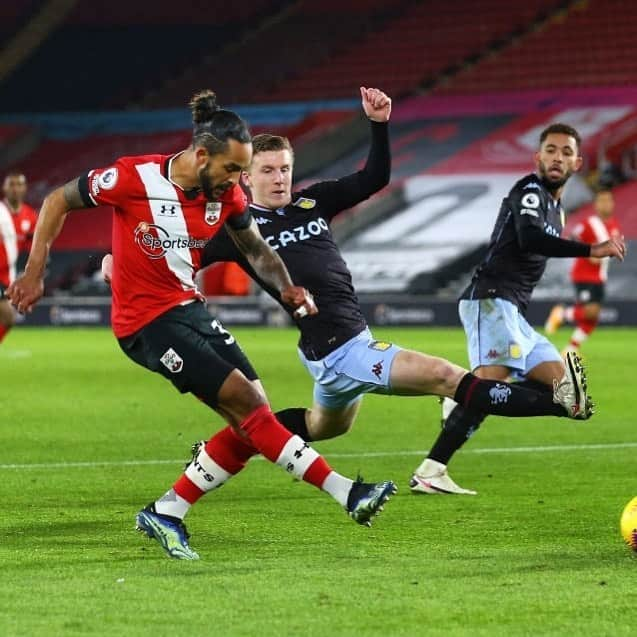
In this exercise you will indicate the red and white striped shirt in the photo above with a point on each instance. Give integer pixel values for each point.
(24, 221)
(8, 246)
(593, 230)
(158, 235)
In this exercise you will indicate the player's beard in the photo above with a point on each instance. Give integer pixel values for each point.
(552, 185)
(207, 185)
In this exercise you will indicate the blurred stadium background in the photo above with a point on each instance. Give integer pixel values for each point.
(473, 83)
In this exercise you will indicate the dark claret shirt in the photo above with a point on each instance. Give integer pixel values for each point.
(300, 233)
(526, 233)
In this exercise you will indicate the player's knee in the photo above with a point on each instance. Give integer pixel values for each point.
(414, 372)
(239, 397)
(323, 428)
(592, 311)
(446, 375)
(325, 431)
(340, 428)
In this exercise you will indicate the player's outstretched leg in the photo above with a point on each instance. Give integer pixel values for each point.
(292, 453)
(570, 395)
(364, 500)
(432, 475)
(212, 464)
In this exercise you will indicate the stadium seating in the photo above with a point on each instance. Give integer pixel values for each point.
(10, 133)
(92, 50)
(298, 38)
(410, 49)
(258, 51)
(561, 55)
(106, 12)
(12, 17)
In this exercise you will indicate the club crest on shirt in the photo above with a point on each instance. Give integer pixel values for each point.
(379, 346)
(172, 361)
(213, 212)
(515, 351)
(306, 204)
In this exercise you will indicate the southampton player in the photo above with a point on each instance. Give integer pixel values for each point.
(336, 345)
(166, 208)
(500, 341)
(8, 258)
(588, 274)
(13, 240)
(23, 215)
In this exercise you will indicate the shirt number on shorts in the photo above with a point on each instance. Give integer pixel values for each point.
(220, 329)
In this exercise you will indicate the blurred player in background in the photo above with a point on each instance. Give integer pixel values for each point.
(166, 208)
(501, 343)
(17, 225)
(8, 258)
(588, 274)
(24, 216)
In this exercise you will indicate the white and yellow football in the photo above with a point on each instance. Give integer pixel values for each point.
(628, 524)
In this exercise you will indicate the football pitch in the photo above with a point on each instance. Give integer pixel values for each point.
(88, 438)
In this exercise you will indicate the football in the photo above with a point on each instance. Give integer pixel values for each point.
(628, 524)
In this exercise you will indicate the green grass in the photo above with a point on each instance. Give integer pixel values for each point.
(537, 552)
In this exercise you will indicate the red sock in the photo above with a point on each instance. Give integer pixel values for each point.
(4, 330)
(588, 326)
(582, 331)
(578, 314)
(278, 445)
(187, 489)
(230, 450)
(223, 456)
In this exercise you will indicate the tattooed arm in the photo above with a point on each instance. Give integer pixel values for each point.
(269, 267)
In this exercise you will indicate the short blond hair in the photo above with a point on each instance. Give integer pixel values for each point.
(266, 142)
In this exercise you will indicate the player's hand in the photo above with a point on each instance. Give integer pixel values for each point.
(25, 292)
(614, 247)
(376, 104)
(300, 299)
(107, 268)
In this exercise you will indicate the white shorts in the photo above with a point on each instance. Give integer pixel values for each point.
(359, 366)
(497, 334)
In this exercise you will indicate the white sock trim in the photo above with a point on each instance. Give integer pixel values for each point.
(338, 487)
(296, 456)
(172, 504)
(429, 467)
(205, 472)
(578, 336)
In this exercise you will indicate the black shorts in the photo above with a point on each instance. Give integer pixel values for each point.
(191, 349)
(589, 292)
(2, 290)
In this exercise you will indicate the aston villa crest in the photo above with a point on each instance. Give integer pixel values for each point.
(213, 212)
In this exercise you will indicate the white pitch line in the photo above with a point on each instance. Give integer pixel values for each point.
(370, 454)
